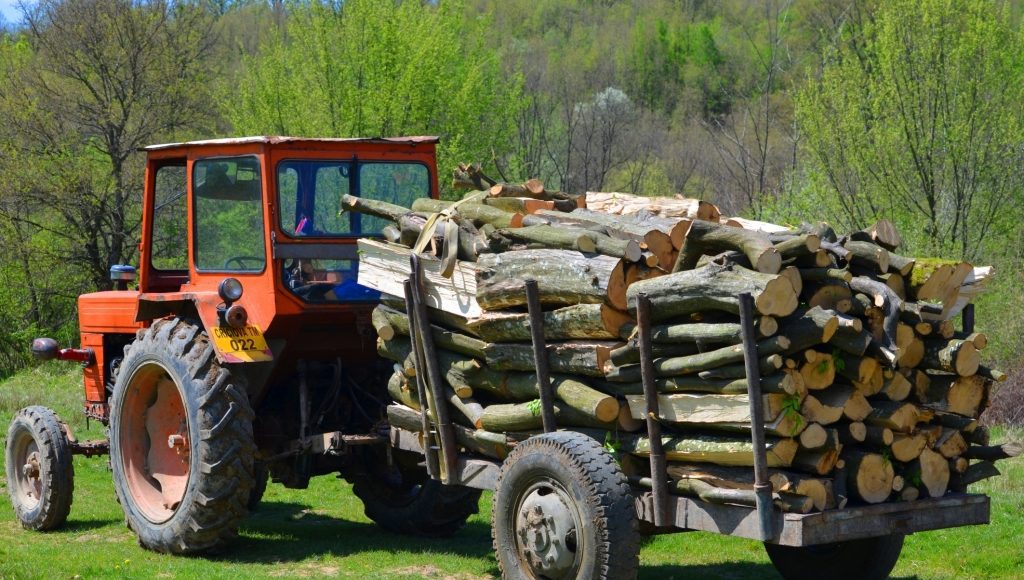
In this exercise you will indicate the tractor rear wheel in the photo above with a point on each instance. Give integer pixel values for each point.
(40, 475)
(864, 559)
(181, 440)
(402, 498)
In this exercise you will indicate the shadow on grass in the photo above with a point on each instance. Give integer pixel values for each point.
(74, 526)
(709, 571)
(289, 532)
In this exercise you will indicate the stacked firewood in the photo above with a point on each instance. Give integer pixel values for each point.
(870, 394)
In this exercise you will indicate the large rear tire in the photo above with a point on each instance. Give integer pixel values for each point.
(181, 441)
(401, 498)
(866, 559)
(40, 474)
(563, 510)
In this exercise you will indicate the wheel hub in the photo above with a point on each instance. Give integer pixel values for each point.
(28, 482)
(156, 445)
(547, 532)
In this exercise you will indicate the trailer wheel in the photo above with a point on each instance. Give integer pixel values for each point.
(401, 498)
(865, 559)
(563, 509)
(181, 441)
(40, 474)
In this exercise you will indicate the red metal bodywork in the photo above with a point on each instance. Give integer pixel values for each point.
(292, 328)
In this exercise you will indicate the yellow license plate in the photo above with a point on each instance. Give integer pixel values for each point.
(245, 344)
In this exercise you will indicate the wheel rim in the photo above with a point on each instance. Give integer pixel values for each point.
(547, 528)
(155, 443)
(28, 479)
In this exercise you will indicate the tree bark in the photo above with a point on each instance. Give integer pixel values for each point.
(714, 288)
(684, 365)
(586, 358)
(564, 278)
(478, 213)
(575, 322)
(710, 238)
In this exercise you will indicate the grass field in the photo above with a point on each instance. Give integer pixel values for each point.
(322, 531)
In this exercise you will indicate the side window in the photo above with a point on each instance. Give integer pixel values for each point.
(228, 216)
(170, 220)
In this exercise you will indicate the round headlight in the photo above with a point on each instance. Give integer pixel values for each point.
(230, 289)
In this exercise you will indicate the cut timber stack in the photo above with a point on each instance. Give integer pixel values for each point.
(868, 393)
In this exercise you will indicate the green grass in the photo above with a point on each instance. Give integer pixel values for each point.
(322, 531)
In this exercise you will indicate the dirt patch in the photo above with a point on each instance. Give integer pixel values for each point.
(311, 570)
(434, 573)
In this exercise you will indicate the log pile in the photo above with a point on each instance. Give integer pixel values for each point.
(870, 394)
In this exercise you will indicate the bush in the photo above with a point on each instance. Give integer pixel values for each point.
(1007, 402)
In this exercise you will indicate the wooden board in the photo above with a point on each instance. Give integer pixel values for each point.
(385, 267)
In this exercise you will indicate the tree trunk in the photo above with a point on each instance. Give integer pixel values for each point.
(720, 450)
(684, 365)
(576, 322)
(478, 213)
(502, 418)
(714, 288)
(564, 278)
(710, 238)
(869, 476)
(586, 358)
(954, 356)
(476, 440)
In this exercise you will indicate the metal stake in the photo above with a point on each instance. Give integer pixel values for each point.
(762, 487)
(430, 444)
(659, 473)
(437, 396)
(540, 357)
(967, 318)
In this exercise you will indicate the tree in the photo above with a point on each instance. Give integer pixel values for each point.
(917, 117)
(368, 68)
(94, 81)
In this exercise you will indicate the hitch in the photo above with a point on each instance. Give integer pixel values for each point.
(47, 349)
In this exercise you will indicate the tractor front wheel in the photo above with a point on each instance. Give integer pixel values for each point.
(181, 440)
(40, 476)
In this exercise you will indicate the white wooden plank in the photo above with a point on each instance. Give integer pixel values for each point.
(385, 267)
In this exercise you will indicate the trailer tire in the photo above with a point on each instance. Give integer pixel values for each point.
(864, 559)
(40, 473)
(404, 500)
(181, 440)
(563, 509)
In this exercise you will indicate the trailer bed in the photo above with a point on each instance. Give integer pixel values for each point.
(788, 529)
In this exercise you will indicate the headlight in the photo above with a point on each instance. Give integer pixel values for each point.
(230, 290)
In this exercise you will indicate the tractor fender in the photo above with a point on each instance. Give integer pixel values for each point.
(154, 305)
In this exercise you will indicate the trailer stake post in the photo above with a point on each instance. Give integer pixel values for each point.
(659, 469)
(540, 356)
(967, 318)
(762, 487)
(434, 381)
(429, 440)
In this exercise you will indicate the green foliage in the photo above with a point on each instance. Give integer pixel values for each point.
(367, 68)
(612, 444)
(534, 407)
(917, 118)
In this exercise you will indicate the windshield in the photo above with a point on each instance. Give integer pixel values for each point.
(310, 191)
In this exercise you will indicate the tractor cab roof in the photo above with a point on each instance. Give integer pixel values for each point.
(276, 140)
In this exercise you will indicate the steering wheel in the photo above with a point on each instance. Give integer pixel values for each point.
(241, 260)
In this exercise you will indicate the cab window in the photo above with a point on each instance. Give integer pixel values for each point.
(228, 214)
(310, 192)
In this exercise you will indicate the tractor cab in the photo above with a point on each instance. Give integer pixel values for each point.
(249, 236)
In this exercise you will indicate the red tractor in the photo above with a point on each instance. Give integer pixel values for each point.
(246, 349)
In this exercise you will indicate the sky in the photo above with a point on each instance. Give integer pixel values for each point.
(9, 10)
